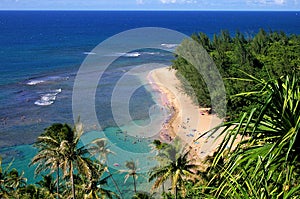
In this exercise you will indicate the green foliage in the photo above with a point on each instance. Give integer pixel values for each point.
(48, 183)
(175, 166)
(265, 113)
(159, 145)
(266, 54)
(142, 195)
(59, 151)
(11, 181)
(199, 71)
(265, 164)
(264, 106)
(100, 149)
(132, 171)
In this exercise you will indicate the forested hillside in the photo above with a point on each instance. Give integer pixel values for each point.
(267, 54)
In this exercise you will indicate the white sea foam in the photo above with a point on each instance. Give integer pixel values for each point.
(89, 53)
(169, 45)
(58, 90)
(151, 53)
(48, 98)
(43, 103)
(35, 82)
(43, 80)
(133, 54)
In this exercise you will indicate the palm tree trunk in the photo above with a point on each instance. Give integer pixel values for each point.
(175, 191)
(134, 184)
(112, 178)
(57, 176)
(72, 179)
(115, 183)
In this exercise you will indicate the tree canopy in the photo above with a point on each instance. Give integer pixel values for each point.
(267, 54)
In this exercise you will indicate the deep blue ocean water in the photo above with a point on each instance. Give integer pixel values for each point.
(40, 53)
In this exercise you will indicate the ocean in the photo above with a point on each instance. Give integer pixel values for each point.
(41, 52)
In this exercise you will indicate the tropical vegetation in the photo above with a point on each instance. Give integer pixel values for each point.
(258, 156)
(266, 54)
(178, 171)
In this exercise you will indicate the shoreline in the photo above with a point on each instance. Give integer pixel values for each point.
(167, 132)
(187, 121)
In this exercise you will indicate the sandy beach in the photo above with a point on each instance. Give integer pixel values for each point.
(188, 121)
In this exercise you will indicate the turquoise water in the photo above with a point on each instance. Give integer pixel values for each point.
(41, 53)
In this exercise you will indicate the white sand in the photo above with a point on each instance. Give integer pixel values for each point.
(189, 121)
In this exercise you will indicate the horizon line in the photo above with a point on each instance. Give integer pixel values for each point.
(151, 10)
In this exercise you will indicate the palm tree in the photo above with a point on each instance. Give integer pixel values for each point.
(178, 171)
(93, 188)
(49, 155)
(99, 147)
(47, 183)
(59, 148)
(11, 181)
(131, 172)
(170, 152)
(166, 153)
(15, 180)
(30, 191)
(5, 188)
(265, 164)
(4, 192)
(76, 156)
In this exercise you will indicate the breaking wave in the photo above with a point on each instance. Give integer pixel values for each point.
(44, 80)
(47, 99)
